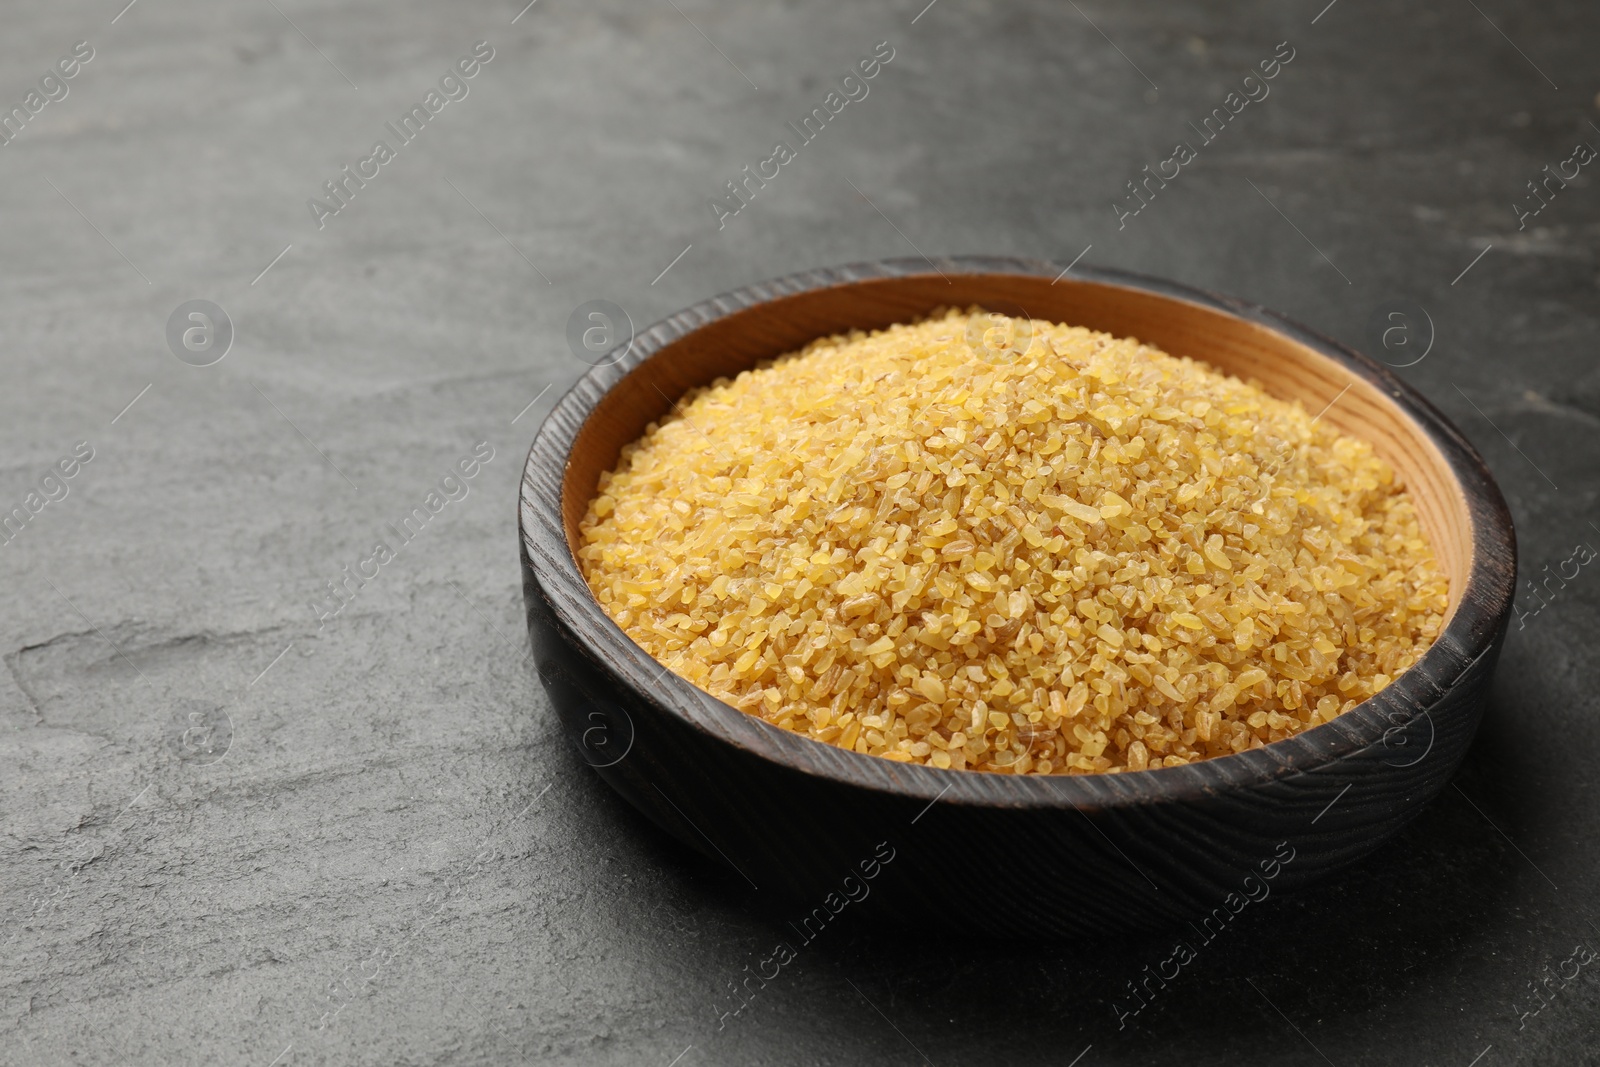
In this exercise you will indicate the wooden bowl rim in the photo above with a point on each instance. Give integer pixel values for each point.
(1478, 617)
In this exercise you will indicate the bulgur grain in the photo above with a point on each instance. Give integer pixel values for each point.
(1089, 556)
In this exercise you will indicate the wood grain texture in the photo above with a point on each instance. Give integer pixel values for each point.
(1012, 855)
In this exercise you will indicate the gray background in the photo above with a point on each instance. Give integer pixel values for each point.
(399, 859)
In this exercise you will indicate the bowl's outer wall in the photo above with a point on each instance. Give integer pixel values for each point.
(1008, 872)
(1145, 858)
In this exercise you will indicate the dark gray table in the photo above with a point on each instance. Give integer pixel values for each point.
(238, 827)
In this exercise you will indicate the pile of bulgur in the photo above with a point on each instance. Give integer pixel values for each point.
(1051, 551)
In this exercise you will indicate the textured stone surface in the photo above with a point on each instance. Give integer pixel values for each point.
(398, 860)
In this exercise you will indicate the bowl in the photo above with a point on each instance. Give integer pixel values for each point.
(822, 829)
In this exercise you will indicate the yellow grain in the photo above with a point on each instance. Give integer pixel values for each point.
(1089, 556)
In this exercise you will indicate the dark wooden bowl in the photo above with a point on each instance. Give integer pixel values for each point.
(992, 853)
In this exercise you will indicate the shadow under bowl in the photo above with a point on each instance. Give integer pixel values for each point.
(1006, 855)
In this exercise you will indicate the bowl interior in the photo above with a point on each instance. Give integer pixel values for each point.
(1286, 367)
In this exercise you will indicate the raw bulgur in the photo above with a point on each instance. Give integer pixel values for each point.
(1079, 554)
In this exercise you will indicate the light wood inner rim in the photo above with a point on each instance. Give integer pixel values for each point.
(1284, 367)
